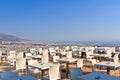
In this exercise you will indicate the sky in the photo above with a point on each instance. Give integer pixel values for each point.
(61, 20)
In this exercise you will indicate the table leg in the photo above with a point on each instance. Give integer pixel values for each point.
(67, 70)
(108, 70)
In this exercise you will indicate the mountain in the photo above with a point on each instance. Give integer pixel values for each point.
(11, 38)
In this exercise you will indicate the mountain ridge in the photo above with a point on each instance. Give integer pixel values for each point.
(11, 38)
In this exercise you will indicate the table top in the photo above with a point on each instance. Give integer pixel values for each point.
(3, 55)
(97, 76)
(67, 60)
(108, 64)
(99, 55)
(41, 66)
(36, 56)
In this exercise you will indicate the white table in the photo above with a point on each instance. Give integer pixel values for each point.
(107, 64)
(97, 76)
(36, 56)
(67, 60)
(41, 66)
(99, 56)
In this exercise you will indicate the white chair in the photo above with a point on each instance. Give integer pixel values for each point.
(80, 63)
(93, 61)
(115, 58)
(52, 51)
(31, 70)
(45, 52)
(32, 50)
(0, 55)
(76, 54)
(28, 55)
(55, 59)
(21, 64)
(63, 53)
(67, 48)
(11, 58)
(45, 59)
(20, 54)
(54, 73)
(40, 50)
(69, 54)
(12, 52)
(88, 57)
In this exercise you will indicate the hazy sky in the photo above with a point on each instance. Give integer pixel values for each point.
(61, 20)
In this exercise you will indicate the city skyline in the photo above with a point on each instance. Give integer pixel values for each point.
(61, 20)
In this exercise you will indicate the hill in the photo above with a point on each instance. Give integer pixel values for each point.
(11, 38)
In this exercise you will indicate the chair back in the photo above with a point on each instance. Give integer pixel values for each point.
(20, 63)
(45, 59)
(54, 72)
(32, 50)
(55, 59)
(115, 58)
(93, 61)
(40, 50)
(31, 62)
(28, 55)
(69, 54)
(20, 54)
(0, 53)
(80, 63)
(45, 52)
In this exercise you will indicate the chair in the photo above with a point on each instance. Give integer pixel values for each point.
(0, 55)
(88, 57)
(69, 54)
(20, 54)
(45, 52)
(40, 50)
(80, 63)
(11, 58)
(9, 75)
(31, 70)
(52, 52)
(93, 61)
(28, 55)
(55, 59)
(76, 54)
(54, 73)
(21, 64)
(32, 50)
(45, 59)
(12, 52)
(115, 58)
(74, 73)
